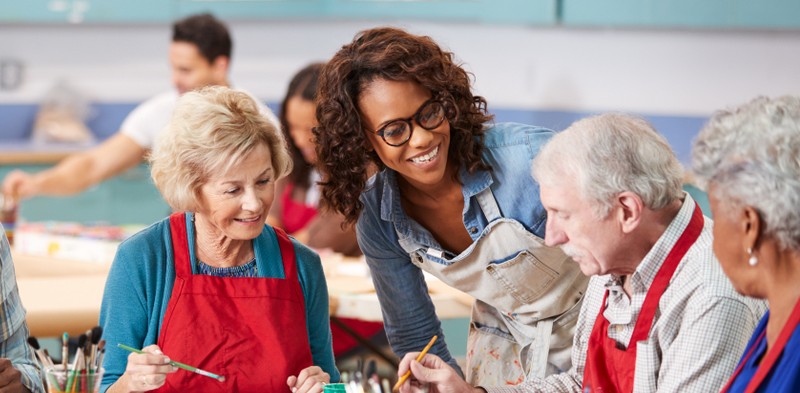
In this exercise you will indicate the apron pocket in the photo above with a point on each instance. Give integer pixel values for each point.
(494, 331)
(524, 276)
(492, 357)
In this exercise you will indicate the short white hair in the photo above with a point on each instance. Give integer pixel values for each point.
(609, 154)
(752, 156)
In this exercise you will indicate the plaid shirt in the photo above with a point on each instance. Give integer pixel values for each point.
(13, 329)
(699, 331)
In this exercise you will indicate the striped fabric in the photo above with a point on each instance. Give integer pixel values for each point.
(13, 329)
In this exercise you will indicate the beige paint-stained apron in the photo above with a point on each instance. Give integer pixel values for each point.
(527, 296)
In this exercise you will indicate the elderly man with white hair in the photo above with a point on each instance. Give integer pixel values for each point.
(659, 314)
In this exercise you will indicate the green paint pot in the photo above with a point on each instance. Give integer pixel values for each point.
(334, 388)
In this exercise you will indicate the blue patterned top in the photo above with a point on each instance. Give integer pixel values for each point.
(249, 269)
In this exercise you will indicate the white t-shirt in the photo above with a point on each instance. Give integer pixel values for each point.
(146, 121)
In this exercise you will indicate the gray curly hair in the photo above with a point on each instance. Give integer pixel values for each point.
(609, 154)
(751, 154)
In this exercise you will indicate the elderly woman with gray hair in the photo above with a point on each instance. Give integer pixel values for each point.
(212, 286)
(750, 159)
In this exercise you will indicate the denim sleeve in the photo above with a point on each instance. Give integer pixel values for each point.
(315, 292)
(409, 316)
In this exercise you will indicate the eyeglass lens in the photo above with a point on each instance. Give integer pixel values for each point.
(429, 116)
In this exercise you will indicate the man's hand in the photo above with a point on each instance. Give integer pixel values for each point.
(433, 371)
(10, 378)
(19, 185)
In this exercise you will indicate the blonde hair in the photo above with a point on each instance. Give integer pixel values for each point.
(211, 131)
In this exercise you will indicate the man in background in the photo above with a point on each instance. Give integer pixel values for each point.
(199, 55)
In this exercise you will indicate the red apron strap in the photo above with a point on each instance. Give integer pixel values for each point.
(610, 369)
(287, 253)
(643, 323)
(180, 244)
(772, 355)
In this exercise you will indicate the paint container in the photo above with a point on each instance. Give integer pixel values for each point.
(334, 388)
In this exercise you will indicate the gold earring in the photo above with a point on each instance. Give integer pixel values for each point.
(753, 260)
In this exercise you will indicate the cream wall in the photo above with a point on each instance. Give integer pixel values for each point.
(646, 71)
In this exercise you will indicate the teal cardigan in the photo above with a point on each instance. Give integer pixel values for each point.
(140, 282)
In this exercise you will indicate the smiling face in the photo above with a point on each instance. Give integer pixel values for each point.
(572, 224)
(190, 70)
(301, 118)
(422, 161)
(234, 204)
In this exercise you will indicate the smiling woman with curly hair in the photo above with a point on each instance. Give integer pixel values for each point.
(453, 196)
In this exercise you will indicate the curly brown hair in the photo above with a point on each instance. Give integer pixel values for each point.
(395, 55)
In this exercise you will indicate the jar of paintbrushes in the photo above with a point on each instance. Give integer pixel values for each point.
(84, 373)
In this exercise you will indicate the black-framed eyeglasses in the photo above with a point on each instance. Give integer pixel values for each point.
(431, 114)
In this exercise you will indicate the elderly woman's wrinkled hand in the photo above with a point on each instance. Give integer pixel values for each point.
(310, 380)
(147, 371)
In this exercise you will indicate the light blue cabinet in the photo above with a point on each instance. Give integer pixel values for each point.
(539, 12)
(130, 198)
(760, 14)
(532, 12)
(85, 11)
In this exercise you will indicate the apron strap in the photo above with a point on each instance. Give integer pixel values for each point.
(488, 204)
(287, 254)
(659, 285)
(539, 349)
(180, 244)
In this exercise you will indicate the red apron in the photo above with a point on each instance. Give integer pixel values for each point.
(610, 369)
(772, 353)
(295, 215)
(250, 330)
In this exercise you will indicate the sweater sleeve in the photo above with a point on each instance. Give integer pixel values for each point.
(123, 312)
(315, 292)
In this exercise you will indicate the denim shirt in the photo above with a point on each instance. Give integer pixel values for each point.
(408, 313)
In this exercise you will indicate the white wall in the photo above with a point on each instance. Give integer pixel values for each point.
(645, 71)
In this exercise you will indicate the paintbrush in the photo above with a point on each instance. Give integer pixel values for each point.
(179, 365)
(96, 333)
(419, 357)
(64, 349)
(101, 350)
(43, 358)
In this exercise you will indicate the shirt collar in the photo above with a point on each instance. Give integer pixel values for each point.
(392, 210)
(646, 272)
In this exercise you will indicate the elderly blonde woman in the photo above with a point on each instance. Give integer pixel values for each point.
(750, 159)
(212, 286)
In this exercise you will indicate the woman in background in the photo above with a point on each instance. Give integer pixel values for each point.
(212, 286)
(750, 160)
(297, 210)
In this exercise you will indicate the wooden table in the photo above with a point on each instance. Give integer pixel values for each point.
(64, 296)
